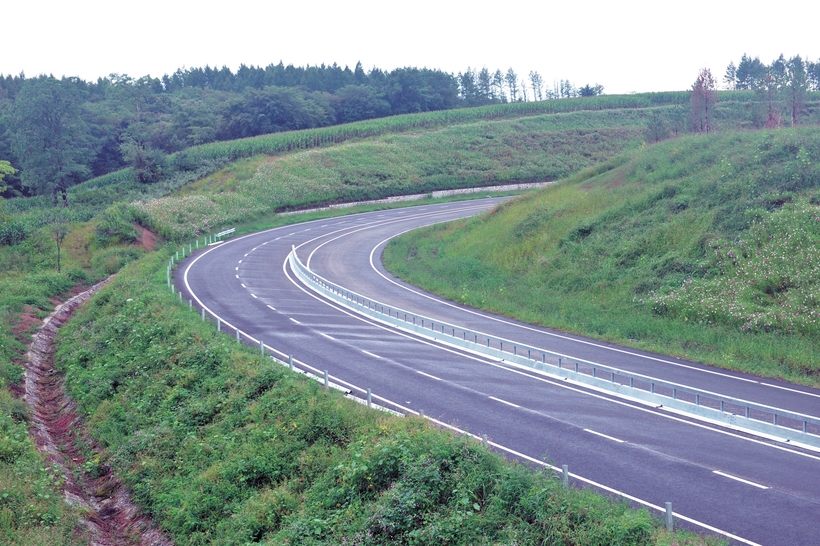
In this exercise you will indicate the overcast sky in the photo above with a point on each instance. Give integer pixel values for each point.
(626, 46)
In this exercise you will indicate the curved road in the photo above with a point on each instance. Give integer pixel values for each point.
(751, 489)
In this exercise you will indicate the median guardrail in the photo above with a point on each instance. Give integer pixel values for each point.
(750, 416)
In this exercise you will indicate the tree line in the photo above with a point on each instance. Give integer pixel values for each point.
(782, 84)
(58, 132)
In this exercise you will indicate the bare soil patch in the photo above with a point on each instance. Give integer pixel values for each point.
(111, 516)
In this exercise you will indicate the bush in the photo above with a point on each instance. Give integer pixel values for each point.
(116, 225)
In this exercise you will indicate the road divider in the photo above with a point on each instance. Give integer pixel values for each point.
(760, 419)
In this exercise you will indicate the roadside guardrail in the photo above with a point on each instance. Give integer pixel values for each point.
(777, 423)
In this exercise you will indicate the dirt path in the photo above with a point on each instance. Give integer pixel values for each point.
(112, 518)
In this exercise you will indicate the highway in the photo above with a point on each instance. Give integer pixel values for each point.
(753, 490)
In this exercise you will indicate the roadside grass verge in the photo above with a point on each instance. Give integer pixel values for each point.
(700, 247)
(224, 446)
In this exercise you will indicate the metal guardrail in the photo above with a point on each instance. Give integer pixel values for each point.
(734, 412)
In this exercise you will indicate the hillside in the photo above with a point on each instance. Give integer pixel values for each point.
(109, 224)
(705, 247)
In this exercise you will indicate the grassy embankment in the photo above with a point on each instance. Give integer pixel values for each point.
(224, 446)
(704, 247)
(101, 246)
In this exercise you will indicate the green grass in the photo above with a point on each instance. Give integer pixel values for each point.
(404, 154)
(479, 154)
(658, 252)
(223, 446)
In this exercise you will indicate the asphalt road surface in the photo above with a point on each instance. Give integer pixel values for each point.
(751, 489)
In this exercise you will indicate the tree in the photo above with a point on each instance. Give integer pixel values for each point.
(537, 83)
(730, 77)
(498, 86)
(702, 100)
(5, 169)
(512, 84)
(591, 91)
(797, 83)
(50, 138)
(484, 82)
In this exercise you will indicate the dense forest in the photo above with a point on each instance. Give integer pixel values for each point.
(58, 132)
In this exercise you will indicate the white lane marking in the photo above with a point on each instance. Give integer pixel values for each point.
(243, 285)
(512, 367)
(266, 242)
(325, 225)
(271, 308)
(294, 320)
(254, 248)
(541, 331)
(240, 261)
(254, 296)
(464, 432)
(308, 229)
(747, 482)
(428, 375)
(277, 238)
(504, 402)
(237, 276)
(371, 354)
(289, 234)
(790, 390)
(246, 255)
(327, 336)
(604, 436)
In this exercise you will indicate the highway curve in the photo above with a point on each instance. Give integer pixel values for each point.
(753, 490)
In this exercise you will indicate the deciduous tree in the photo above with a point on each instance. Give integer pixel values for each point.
(703, 99)
(50, 138)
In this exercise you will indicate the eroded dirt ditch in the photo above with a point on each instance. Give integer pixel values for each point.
(109, 513)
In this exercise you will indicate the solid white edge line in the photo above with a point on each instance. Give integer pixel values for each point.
(504, 401)
(445, 425)
(747, 482)
(545, 332)
(605, 436)
(722, 428)
(428, 375)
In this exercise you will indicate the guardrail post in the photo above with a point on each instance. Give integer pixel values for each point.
(190, 305)
(670, 523)
(421, 413)
(326, 380)
(237, 335)
(290, 362)
(197, 244)
(484, 440)
(203, 314)
(189, 248)
(369, 398)
(261, 348)
(565, 475)
(180, 296)
(218, 324)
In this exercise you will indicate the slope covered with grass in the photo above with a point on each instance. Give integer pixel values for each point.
(701, 246)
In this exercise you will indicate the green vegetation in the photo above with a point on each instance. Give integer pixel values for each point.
(32, 509)
(223, 446)
(701, 246)
(185, 419)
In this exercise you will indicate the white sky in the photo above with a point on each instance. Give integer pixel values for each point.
(625, 46)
